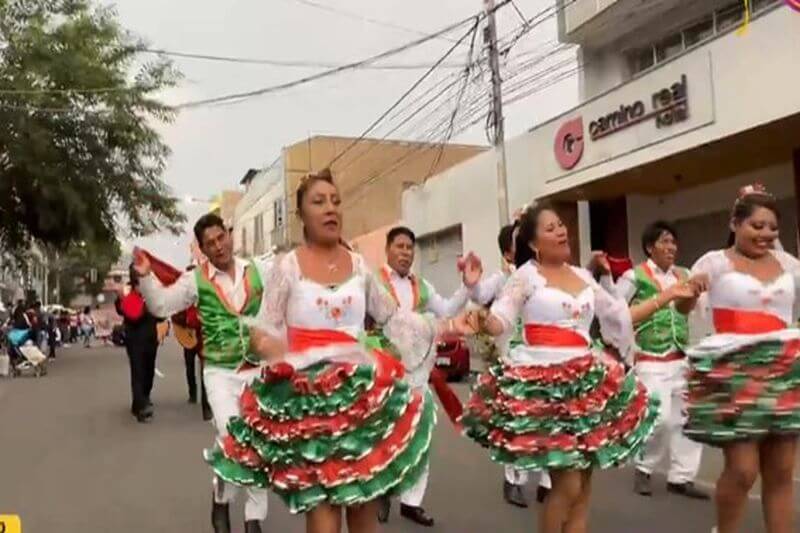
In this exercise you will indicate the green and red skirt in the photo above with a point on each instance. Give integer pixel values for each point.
(745, 389)
(334, 432)
(584, 413)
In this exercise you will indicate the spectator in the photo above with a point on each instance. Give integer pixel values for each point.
(87, 326)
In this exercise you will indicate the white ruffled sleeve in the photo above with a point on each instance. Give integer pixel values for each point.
(412, 334)
(614, 316)
(713, 264)
(277, 287)
(791, 264)
(519, 287)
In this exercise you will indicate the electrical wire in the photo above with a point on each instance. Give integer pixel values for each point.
(324, 74)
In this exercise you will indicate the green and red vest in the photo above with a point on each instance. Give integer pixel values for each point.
(667, 329)
(226, 339)
(376, 338)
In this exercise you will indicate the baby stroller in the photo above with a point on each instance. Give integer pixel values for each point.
(25, 356)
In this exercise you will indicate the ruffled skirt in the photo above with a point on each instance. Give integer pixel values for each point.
(744, 387)
(341, 433)
(584, 413)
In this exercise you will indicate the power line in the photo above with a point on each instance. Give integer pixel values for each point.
(298, 63)
(356, 16)
(327, 73)
(413, 87)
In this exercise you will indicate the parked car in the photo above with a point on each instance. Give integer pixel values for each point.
(452, 357)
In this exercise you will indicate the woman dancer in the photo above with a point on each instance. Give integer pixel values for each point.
(554, 404)
(330, 426)
(744, 387)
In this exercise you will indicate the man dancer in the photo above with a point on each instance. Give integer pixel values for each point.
(225, 290)
(660, 362)
(416, 294)
(484, 294)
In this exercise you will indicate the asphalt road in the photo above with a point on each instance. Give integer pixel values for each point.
(73, 460)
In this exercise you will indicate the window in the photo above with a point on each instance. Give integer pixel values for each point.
(258, 235)
(761, 5)
(730, 16)
(277, 213)
(699, 32)
(642, 59)
(669, 47)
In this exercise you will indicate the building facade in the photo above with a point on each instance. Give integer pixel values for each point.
(371, 176)
(679, 109)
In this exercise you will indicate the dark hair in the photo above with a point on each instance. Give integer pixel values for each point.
(307, 181)
(747, 205)
(206, 221)
(87, 310)
(653, 232)
(133, 276)
(397, 231)
(505, 239)
(529, 222)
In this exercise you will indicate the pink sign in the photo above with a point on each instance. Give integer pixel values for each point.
(794, 4)
(568, 146)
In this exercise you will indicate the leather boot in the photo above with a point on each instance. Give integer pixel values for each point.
(641, 484)
(513, 495)
(252, 526)
(384, 508)
(416, 515)
(220, 518)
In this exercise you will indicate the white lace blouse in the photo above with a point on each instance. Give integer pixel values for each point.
(528, 294)
(294, 301)
(731, 289)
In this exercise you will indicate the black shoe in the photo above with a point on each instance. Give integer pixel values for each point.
(384, 508)
(513, 495)
(541, 493)
(689, 490)
(252, 526)
(193, 398)
(207, 414)
(143, 418)
(416, 515)
(147, 410)
(220, 518)
(641, 484)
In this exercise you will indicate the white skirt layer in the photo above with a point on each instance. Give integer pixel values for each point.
(722, 344)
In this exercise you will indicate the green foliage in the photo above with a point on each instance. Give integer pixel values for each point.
(79, 155)
(73, 268)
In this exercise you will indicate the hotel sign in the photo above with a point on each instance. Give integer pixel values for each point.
(666, 107)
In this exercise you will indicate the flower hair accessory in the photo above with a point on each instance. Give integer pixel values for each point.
(754, 189)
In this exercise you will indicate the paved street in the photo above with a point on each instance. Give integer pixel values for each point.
(73, 460)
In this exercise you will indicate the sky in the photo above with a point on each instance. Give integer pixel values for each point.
(212, 147)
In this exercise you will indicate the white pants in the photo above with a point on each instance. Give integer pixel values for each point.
(415, 493)
(515, 476)
(667, 381)
(223, 388)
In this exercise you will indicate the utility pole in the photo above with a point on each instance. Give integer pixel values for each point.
(490, 38)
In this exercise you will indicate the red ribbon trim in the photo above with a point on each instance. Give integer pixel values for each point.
(746, 322)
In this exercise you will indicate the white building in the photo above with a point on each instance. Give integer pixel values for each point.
(259, 222)
(680, 108)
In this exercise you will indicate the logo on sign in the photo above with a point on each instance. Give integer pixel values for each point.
(568, 146)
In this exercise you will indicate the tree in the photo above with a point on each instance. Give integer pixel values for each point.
(79, 157)
(71, 271)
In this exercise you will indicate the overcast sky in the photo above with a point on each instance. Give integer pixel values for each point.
(214, 146)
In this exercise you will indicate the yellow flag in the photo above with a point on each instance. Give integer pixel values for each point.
(743, 28)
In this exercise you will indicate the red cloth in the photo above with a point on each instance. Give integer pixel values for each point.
(450, 402)
(746, 322)
(619, 265)
(547, 335)
(132, 306)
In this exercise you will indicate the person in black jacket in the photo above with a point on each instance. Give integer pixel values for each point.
(141, 343)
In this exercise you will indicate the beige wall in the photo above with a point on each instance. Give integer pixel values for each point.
(372, 245)
(371, 177)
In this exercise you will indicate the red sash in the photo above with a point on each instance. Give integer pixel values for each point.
(546, 335)
(746, 322)
(300, 340)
